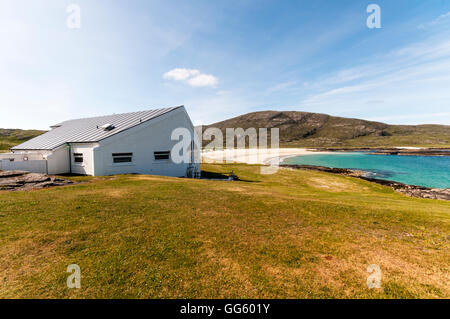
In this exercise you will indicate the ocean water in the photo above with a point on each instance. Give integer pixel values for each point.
(428, 171)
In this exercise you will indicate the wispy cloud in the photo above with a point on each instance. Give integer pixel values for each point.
(296, 56)
(442, 18)
(412, 78)
(281, 86)
(192, 77)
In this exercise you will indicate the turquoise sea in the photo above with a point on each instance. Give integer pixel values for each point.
(428, 171)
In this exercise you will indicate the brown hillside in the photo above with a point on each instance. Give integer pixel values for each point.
(322, 130)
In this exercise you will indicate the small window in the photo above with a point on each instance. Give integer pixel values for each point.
(78, 157)
(122, 157)
(162, 155)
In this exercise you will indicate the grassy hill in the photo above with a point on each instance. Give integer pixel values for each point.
(302, 129)
(12, 137)
(294, 234)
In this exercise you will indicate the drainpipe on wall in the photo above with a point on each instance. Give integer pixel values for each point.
(70, 158)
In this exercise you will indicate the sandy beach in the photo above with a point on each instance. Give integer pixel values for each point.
(254, 156)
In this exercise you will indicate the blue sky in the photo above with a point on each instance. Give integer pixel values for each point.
(224, 58)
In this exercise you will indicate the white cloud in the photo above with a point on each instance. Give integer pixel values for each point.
(203, 80)
(179, 74)
(191, 77)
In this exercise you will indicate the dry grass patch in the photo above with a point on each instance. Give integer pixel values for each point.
(272, 236)
(335, 185)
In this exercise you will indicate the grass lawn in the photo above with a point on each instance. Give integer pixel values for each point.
(13, 137)
(294, 234)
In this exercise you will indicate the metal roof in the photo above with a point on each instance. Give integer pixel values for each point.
(89, 129)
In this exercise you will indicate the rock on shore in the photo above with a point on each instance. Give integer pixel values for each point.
(414, 190)
(21, 180)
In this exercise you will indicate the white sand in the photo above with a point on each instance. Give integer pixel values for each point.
(254, 156)
(262, 156)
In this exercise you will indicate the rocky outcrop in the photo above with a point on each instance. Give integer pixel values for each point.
(20, 180)
(9, 174)
(341, 171)
(414, 190)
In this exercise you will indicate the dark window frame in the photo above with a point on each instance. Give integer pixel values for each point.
(119, 158)
(78, 158)
(162, 155)
(122, 154)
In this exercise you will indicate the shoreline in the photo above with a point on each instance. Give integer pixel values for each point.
(277, 156)
(400, 151)
(270, 156)
(256, 156)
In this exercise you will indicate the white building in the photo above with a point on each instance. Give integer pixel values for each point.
(139, 142)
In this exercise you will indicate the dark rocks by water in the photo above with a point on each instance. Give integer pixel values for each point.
(21, 180)
(425, 152)
(410, 190)
(341, 171)
(414, 190)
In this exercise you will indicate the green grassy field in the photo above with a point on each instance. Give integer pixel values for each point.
(294, 234)
(13, 137)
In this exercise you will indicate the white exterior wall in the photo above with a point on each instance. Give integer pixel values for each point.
(143, 140)
(58, 161)
(87, 167)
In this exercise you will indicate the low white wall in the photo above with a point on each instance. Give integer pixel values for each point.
(22, 156)
(33, 166)
(33, 162)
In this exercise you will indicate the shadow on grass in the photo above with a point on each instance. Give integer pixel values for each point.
(223, 176)
(205, 175)
(72, 175)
